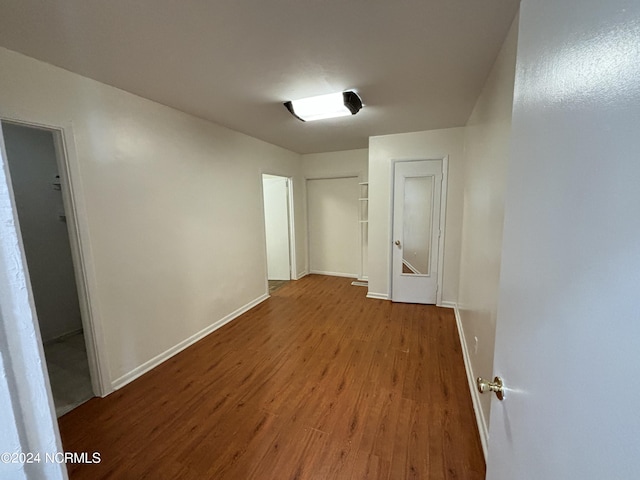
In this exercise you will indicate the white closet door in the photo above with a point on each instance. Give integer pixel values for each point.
(276, 213)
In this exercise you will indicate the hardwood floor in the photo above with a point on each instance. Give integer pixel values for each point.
(316, 382)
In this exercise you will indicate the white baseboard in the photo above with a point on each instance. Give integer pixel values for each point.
(378, 296)
(299, 275)
(445, 304)
(334, 274)
(475, 395)
(158, 359)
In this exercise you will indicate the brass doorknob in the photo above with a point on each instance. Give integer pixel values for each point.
(496, 386)
(397, 242)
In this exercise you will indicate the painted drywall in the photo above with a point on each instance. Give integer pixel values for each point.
(486, 144)
(276, 220)
(337, 164)
(429, 145)
(569, 311)
(170, 208)
(27, 415)
(33, 167)
(334, 247)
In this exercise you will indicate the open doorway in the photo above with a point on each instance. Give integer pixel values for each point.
(333, 216)
(39, 193)
(278, 230)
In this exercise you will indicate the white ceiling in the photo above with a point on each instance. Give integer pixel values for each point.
(417, 64)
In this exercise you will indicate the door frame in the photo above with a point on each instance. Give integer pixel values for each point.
(79, 241)
(443, 210)
(357, 176)
(293, 269)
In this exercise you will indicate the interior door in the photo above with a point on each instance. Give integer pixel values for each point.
(276, 215)
(568, 324)
(416, 230)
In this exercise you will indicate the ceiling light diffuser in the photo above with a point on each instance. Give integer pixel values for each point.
(332, 105)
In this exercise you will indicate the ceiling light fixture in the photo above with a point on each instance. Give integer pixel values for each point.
(332, 105)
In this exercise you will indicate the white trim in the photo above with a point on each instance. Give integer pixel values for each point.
(447, 305)
(293, 261)
(82, 260)
(378, 296)
(304, 273)
(475, 395)
(412, 268)
(334, 274)
(443, 224)
(335, 177)
(158, 359)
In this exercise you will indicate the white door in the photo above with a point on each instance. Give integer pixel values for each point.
(276, 220)
(568, 326)
(416, 230)
(334, 228)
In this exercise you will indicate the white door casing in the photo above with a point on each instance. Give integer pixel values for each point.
(568, 321)
(416, 248)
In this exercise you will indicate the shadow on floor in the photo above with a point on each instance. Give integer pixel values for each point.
(276, 284)
(68, 372)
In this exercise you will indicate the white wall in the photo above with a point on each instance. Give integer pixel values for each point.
(168, 203)
(334, 240)
(32, 162)
(427, 145)
(276, 219)
(337, 164)
(486, 144)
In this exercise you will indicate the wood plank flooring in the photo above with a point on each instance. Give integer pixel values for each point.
(316, 382)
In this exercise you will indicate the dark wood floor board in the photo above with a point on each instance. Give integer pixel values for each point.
(317, 382)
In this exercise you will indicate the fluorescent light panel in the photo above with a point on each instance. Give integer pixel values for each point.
(332, 105)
